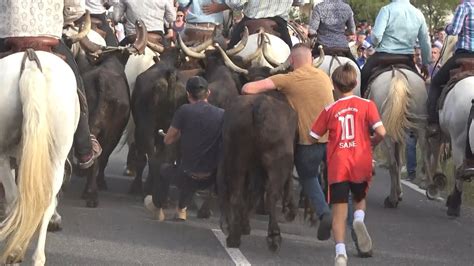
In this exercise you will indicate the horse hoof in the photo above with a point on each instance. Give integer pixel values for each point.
(129, 172)
(246, 229)
(274, 243)
(389, 204)
(54, 227)
(233, 242)
(440, 180)
(432, 192)
(204, 213)
(453, 212)
(290, 215)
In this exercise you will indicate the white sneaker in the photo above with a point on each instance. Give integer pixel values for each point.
(157, 213)
(363, 238)
(340, 260)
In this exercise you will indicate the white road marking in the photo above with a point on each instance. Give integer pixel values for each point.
(234, 253)
(417, 189)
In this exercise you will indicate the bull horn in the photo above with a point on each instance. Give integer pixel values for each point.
(203, 46)
(320, 58)
(89, 47)
(229, 62)
(282, 67)
(155, 47)
(257, 52)
(83, 29)
(241, 45)
(141, 40)
(188, 51)
(270, 59)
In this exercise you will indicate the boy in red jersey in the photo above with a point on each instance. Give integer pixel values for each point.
(349, 156)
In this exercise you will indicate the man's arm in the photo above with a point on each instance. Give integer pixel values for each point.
(350, 24)
(379, 135)
(425, 45)
(314, 21)
(258, 86)
(214, 7)
(379, 27)
(458, 21)
(172, 135)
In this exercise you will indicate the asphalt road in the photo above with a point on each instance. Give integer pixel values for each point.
(120, 232)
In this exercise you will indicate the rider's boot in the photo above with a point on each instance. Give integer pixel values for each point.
(86, 145)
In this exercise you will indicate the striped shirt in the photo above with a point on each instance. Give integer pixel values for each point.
(463, 25)
(262, 8)
(152, 12)
(329, 21)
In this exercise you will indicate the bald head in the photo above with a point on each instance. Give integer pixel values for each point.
(300, 55)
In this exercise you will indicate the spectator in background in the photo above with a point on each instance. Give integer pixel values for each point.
(361, 39)
(361, 56)
(440, 35)
(368, 33)
(417, 59)
(180, 22)
(434, 66)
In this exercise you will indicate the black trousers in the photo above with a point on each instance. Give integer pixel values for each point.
(282, 28)
(110, 38)
(172, 174)
(82, 142)
(376, 60)
(439, 81)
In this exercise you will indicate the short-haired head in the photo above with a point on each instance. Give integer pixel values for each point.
(197, 88)
(344, 78)
(300, 55)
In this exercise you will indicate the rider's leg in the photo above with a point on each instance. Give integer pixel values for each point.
(237, 29)
(283, 30)
(110, 38)
(436, 87)
(86, 145)
(366, 71)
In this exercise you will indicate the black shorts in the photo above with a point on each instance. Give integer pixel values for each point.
(339, 192)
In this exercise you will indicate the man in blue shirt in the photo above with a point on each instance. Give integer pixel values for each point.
(463, 26)
(397, 27)
(199, 25)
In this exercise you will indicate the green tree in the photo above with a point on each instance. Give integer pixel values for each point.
(435, 11)
(366, 9)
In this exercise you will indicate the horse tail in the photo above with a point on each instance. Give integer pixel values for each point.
(395, 108)
(35, 172)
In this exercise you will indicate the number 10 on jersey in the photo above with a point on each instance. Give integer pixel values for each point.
(347, 126)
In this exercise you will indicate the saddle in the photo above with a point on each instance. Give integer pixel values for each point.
(268, 25)
(20, 44)
(465, 69)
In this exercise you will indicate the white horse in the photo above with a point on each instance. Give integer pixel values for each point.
(331, 62)
(39, 114)
(453, 120)
(400, 96)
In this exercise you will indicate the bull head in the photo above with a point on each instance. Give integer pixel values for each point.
(188, 51)
(229, 62)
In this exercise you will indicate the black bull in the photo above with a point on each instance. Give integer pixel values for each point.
(108, 98)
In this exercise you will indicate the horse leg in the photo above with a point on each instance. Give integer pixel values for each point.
(393, 155)
(130, 168)
(137, 185)
(39, 257)
(430, 148)
(9, 184)
(455, 198)
(289, 207)
(204, 211)
(55, 222)
(273, 195)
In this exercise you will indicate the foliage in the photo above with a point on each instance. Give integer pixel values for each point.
(435, 11)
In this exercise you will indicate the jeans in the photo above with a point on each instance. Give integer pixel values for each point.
(307, 161)
(187, 186)
(110, 38)
(411, 153)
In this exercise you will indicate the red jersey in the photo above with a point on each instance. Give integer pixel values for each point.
(349, 150)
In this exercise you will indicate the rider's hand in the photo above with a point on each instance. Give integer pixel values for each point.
(213, 7)
(425, 72)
